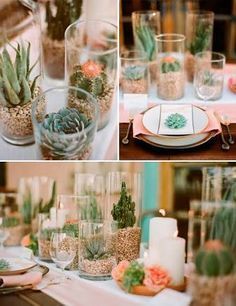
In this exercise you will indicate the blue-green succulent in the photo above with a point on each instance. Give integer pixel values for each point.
(134, 72)
(175, 121)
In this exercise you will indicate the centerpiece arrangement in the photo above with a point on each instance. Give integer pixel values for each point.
(134, 80)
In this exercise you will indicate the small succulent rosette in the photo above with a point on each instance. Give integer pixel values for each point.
(65, 127)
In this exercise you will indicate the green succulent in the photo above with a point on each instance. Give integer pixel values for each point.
(26, 209)
(124, 211)
(208, 78)
(175, 121)
(46, 233)
(65, 14)
(202, 38)
(134, 72)
(15, 85)
(45, 208)
(92, 211)
(133, 275)
(4, 265)
(10, 222)
(71, 227)
(95, 85)
(170, 66)
(214, 260)
(145, 40)
(94, 248)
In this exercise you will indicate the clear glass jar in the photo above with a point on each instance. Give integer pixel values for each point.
(11, 219)
(20, 69)
(97, 249)
(209, 75)
(45, 230)
(56, 16)
(170, 69)
(199, 36)
(64, 125)
(125, 189)
(134, 72)
(146, 25)
(91, 62)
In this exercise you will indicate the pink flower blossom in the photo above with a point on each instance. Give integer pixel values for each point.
(156, 278)
(118, 272)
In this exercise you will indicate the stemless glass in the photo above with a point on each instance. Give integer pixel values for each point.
(91, 62)
(4, 233)
(62, 248)
(134, 72)
(64, 125)
(146, 25)
(170, 70)
(209, 75)
(199, 35)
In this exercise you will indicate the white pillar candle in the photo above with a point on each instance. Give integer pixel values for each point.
(61, 217)
(172, 258)
(53, 216)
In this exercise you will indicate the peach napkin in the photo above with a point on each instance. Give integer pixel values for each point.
(138, 127)
(30, 278)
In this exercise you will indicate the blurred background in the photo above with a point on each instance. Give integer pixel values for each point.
(173, 20)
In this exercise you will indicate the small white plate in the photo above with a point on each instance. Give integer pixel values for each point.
(152, 116)
(17, 266)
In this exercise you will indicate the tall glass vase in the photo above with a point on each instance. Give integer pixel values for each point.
(91, 62)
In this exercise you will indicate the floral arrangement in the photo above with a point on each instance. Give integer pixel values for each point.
(132, 274)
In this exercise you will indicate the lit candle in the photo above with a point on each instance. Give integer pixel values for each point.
(172, 258)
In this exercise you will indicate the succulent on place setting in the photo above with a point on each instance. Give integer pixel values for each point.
(201, 38)
(90, 77)
(58, 18)
(145, 38)
(4, 265)
(124, 211)
(16, 88)
(134, 72)
(214, 260)
(94, 248)
(175, 121)
(170, 64)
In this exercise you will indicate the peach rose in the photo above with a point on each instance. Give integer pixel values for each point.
(118, 272)
(156, 278)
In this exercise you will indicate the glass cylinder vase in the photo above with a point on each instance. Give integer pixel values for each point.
(170, 69)
(146, 25)
(91, 62)
(199, 36)
(56, 16)
(20, 73)
(64, 124)
(45, 231)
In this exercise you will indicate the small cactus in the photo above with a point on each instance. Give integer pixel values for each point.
(214, 260)
(170, 64)
(134, 73)
(90, 77)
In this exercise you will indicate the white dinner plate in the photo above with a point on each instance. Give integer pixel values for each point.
(152, 116)
(17, 266)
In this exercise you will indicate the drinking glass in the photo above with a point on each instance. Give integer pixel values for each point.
(170, 68)
(62, 248)
(4, 233)
(91, 62)
(209, 75)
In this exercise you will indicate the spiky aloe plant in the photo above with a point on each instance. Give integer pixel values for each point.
(90, 77)
(16, 88)
(145, 40)
(94, 248)
(59, 15)
(202, 38)
(4, 265)
(134, 72)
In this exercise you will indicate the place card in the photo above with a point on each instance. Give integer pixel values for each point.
(176, 120)
(135, 103)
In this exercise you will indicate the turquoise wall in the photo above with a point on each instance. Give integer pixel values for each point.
(150, 195)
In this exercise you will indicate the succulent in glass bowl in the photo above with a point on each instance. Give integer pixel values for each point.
(63, 132)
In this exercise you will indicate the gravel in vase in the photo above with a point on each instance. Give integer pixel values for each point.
(44, 249)
(15, 235)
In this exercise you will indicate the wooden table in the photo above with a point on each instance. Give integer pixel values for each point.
(138, 150)
(28, 298)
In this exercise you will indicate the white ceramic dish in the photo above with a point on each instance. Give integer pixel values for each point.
(18, 266)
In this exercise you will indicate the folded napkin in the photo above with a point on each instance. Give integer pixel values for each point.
(138, 127)
(30, 278)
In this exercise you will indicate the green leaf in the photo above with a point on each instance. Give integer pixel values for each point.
(26, 94)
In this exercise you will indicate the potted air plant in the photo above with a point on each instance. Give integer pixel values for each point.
(213, 282)
(17, 92)
(56, 16)
(134, 79)
(128, 235)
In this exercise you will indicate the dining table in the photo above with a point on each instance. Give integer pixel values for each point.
(75, 291)
(137, 149)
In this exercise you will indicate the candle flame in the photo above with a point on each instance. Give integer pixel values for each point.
(162, 212)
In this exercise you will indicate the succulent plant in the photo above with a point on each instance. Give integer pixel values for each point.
(92, 211)
(202, 38)
(124, 211)
(4, 264)
(170, 64)
(71, 227)
(90, 77)
(134, 72)
(10, 222)
(145, 39)
(59, 19)
(15, 85)
(26, 209)
(94, 248)
(214, 260)
(175, 121)
(45, 208)
(133, 275)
